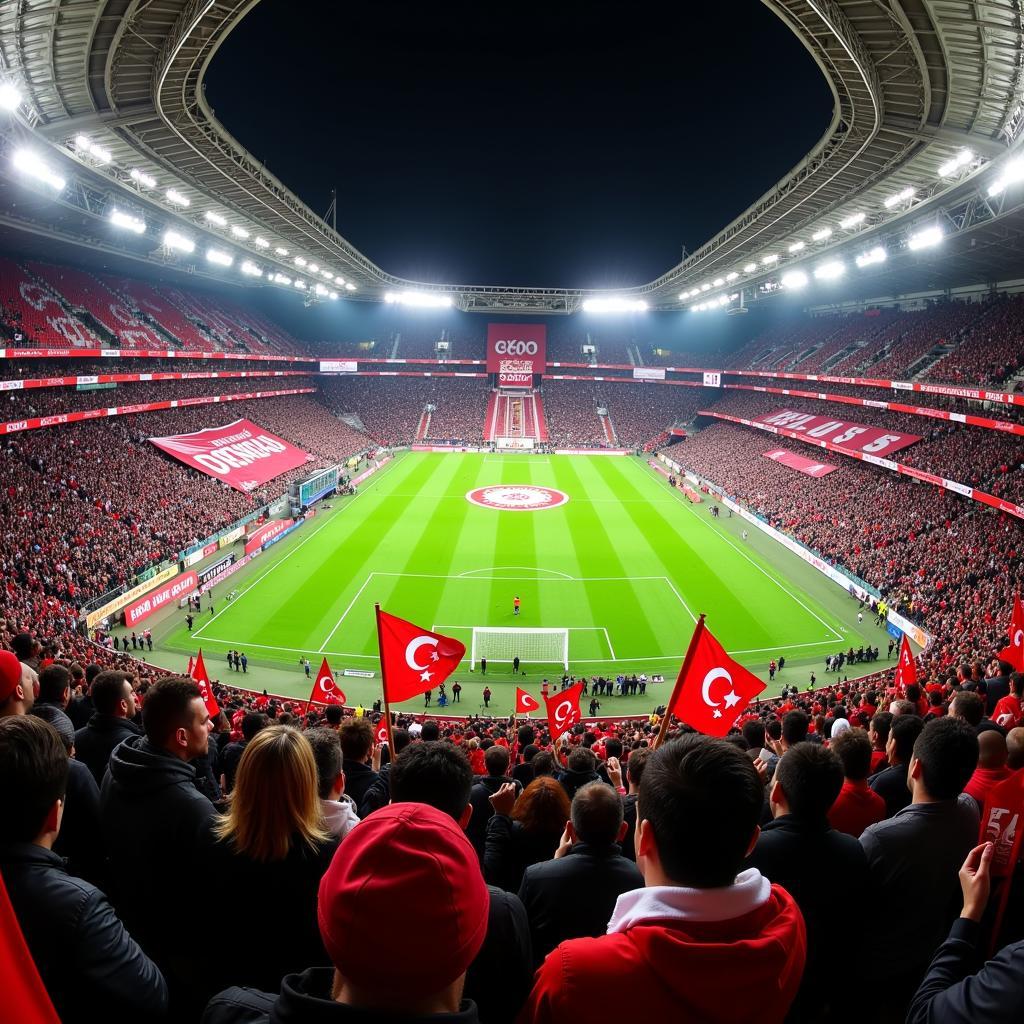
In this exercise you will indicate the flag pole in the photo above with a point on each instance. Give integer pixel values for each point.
(680, 679)
(384, 687)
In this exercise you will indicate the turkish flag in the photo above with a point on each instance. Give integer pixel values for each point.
(564, 710)
(325, 689)
(24, 993)
(525, 702)
(906, 670)
(381, 735)
(412, 659)
(712, 690)
(1014, 654)
(202, 680)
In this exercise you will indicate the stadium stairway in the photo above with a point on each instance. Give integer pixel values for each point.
(491, 416)
(609, 429)
(424, 427)
(538, 411)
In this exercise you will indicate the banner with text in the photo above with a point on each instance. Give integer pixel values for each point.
(648, 373)
(240, 454)
(515, 352)
(799, 463)
(264, 533)
(338, 366)
(167, 594)
(852, 436)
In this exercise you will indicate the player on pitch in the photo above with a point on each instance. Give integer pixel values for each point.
(515, 605)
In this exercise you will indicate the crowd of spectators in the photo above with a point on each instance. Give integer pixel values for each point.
(570, 410)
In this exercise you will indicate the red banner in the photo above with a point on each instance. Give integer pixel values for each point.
(516, 352)
(854, 437)
(156, 599)
(799, 463)
(266, 532)
(240, 454)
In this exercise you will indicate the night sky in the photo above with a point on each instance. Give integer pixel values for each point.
(574, 145)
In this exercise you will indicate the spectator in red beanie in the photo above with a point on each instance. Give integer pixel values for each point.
(704, 937)
(405, 861)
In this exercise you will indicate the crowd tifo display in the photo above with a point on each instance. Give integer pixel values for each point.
(140, 419)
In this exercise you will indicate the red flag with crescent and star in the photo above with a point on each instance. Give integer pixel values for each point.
(198, 673)
(325, 689)
(381, 733)
(564, 710)
(906, 670)
(413, 659)
(1014, 653)
(525, 702)
(712, 690)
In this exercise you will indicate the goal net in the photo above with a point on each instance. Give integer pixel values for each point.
(544, 646)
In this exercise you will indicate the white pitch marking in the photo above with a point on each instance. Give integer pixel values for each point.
(337, 625)
(471, 573)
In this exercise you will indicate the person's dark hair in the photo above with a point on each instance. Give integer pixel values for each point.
(252, 723)
(496, 760)
(327, 754)
(581, 759)
(402, 738)
(947, 751)
(92, 670)
(811, 776)
(969, 706)
(53, 681)
(773, 729)
(753, 733)
(435, 773)
(794, 727)
(912, 693)
(935, 698)
(356, 735)
(636, 764)
(333, 714)
(1017, 684)
(612, 748)
(431, 731)
(527, 734)
(882, 723)
(543, 763)
(34, 767)
(596, 814)
(904, 732)
(529, 752)
(853, 748)
(108, 691)
(703, 800)
(167, 707)
(23, 645)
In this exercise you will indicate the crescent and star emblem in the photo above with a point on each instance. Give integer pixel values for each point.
(413, 649)
(731, 698)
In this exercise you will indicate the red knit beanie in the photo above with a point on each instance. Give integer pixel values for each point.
(403, 903)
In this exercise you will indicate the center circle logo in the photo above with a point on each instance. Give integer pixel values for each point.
(517, 497)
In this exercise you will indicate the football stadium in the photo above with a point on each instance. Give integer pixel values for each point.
(600, 626)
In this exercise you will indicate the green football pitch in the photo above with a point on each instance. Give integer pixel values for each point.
(624, 565)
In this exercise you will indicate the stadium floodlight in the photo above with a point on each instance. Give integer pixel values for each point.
(718, 282)
(250, 269)
(821, 235)
(830, 271)
(299, 284)
(261, 242)
(172, 240)
(221, 258)
(723, 300)
(962, 159)
(124, 220)
(216, 218)
(334, 295)
(794, 279)
(749, 268)
(770, 259)
(281, 279)
(175, 197)
(614, 304)
(28, 162)
(86, 146)
(349, 286)
(731, 276)
(872, 256)
(684, 295)
(327, 274)
(239, 232)
(705, 287)
(926, 238)
(280, 251)
(1010, 174)
(852, 221)
(313, 268)
(299, 261)
(10, 97)
(143, 178)
(903, 196)
(321, 290)
(427, 300)
(796, 247)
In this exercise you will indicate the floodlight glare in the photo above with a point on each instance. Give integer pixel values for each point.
(830, 271)
(239, 232)
(925, 239)
(962, 159)
(261, 242)
(280, 251)
(10, 97)
(334, 295)
(321, 290)
(216, 218)
(872, 256)
(85, 145)
(29, 163)
(794, 279)
(900, 197)
(299, 261)
(327, 274)
(820, 236)
(796, 247)
(313, 268)
(1010, 174)
(852, 221)
(723, 300)
(718, 282)
(749, 268)
(299, 284)
(731, 276)
(173, 196)
(428, 300)
(222, 259)
(349, 286)
(172, 240)
(143, 178)
(705, 287)
(127, 221)
(250, 269)
(281, 279)
(769, 260)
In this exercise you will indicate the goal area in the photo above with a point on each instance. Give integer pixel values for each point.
(530, 646)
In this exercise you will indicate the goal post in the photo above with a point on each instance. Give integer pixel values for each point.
(530, 646)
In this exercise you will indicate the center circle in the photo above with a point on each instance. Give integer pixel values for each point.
(517, 497)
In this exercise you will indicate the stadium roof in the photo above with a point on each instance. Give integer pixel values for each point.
(927, 95)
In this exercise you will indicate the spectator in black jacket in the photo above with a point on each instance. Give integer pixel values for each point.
(360, 759)
(114, 700)
(88, 962)
(496, 761)
(800, 851)
(157, 823)
(580, 770)
(950, 992)
(252, 723)
(54, 695)
(378, 794)
(891, 783)
(574, 894)
(439, 774)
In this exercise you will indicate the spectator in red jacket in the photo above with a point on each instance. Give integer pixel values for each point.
(991, 768)
(703, 938)
(857, 806)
